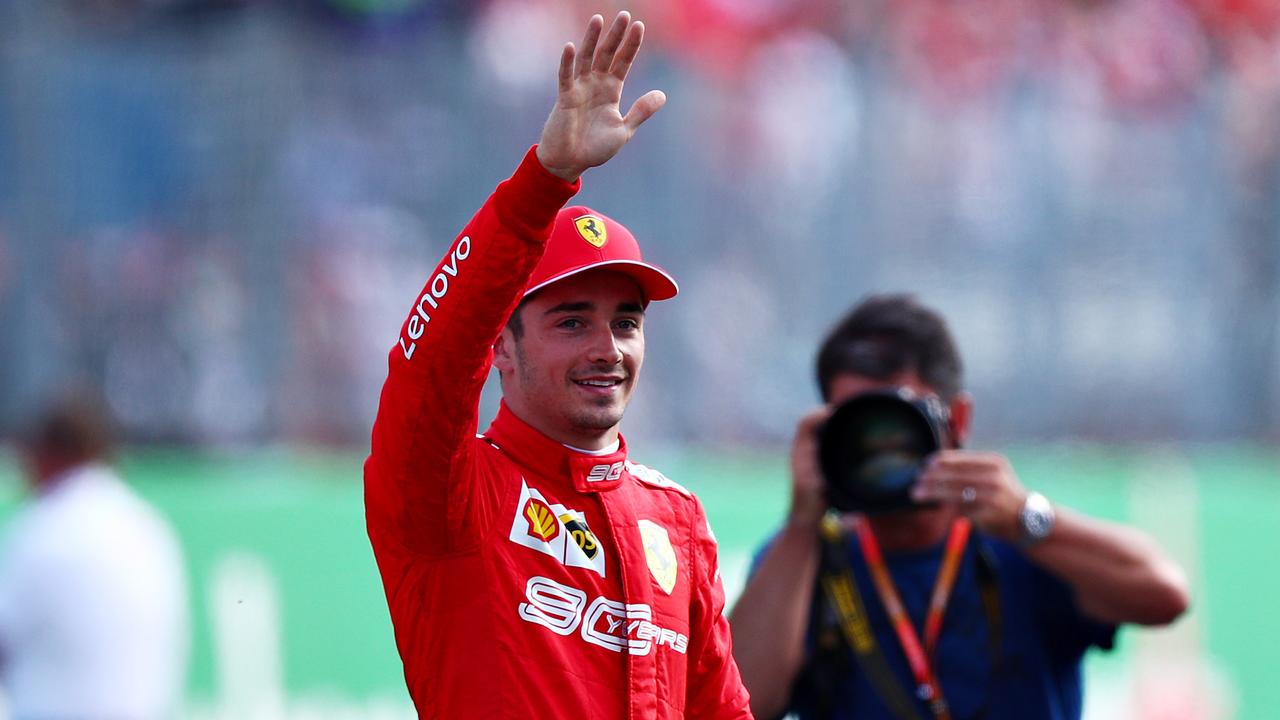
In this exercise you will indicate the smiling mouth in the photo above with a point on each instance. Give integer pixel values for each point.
(600, 383)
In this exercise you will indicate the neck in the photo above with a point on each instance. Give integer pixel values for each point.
(606, 450)
(589, 441)
(912, 530)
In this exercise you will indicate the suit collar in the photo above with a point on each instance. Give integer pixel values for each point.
(550, 459)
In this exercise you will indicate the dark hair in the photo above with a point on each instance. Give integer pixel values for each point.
(516, 322)
(74, 430)
(888, 334)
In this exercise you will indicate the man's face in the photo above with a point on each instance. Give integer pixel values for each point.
(571, 372)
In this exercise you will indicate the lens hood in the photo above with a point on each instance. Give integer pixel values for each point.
(873, 446)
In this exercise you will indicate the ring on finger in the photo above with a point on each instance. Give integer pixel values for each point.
(969, 494)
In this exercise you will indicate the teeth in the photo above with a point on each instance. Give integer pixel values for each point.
(598, 383)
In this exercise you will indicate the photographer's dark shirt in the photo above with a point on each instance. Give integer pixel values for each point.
(1045, 637)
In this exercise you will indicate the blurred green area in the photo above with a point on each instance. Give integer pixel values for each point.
(299, 515)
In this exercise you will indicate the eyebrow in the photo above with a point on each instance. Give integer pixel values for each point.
(587, 305)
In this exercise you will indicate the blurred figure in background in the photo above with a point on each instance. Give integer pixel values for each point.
(964, 597)
(93, 606)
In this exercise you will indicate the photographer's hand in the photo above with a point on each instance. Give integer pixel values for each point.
(808, 500)
(1118, 573)
(983, 486)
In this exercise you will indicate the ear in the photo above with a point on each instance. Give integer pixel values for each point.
(961, 415)
(504, 350)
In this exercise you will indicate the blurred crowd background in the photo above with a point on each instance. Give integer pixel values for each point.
(218, 210)
(216, 213)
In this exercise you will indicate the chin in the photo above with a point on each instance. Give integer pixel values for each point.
(598, 418)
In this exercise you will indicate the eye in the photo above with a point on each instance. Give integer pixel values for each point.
(627, 324)
(570, 323)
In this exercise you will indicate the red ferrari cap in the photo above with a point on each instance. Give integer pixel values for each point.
(583, 239)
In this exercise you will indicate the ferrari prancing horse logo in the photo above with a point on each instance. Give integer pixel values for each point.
(660, 555)
(592, 229)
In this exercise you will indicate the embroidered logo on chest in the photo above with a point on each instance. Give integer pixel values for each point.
(659, 554)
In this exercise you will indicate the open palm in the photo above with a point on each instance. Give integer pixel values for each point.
(586, 127)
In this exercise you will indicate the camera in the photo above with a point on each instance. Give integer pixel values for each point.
(874, 445)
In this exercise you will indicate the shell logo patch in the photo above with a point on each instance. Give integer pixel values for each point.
(592, 229)
(660, 555)
(542, 521)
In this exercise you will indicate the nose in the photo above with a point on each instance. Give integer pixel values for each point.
(604, 348)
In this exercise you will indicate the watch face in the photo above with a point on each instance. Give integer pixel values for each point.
(1037, 524)
(1036, 517)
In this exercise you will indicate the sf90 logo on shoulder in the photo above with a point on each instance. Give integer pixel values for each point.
(609, 624)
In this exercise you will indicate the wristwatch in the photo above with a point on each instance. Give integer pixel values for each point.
(1035, 519)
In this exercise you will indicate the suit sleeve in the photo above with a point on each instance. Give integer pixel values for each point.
(714, 687)
(419, 482)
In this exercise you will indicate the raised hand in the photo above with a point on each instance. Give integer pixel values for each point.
(586, 126)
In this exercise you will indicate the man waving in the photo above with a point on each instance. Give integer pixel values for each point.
(535, 570)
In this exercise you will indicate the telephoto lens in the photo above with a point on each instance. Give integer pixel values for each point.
(873, 447)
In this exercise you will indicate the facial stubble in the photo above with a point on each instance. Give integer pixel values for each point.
(602, 417)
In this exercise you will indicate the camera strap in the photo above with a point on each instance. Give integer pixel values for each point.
(842, 592)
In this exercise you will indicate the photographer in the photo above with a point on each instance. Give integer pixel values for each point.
(941, 588)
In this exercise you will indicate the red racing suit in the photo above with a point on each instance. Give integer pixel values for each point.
(527, 580)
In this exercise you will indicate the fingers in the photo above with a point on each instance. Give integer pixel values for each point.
(627, 54)
(813, 420)
(951, 477)
(604, 58)
(804, 448)
(808, 502)
(982, 485)
(566, 67)
(598, 55)
(967, 477)
(935, 489)
(644, 108)
(614, 53)
(589, 40)
(967, 460)
(945, 476)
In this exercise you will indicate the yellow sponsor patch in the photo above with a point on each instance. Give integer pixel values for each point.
(592, 229)
(581, 535)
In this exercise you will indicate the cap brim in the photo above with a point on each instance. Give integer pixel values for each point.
(654, 282)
